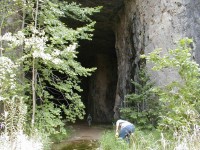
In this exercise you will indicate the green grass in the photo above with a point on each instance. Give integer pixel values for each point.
(109, 142)
(150, 140)
(142, 140)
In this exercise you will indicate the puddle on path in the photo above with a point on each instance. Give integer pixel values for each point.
(79, 145)
(82, 138)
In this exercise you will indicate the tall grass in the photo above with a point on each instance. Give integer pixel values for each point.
(109, 142)
(20, 141)
(12, 131)
(152, 140)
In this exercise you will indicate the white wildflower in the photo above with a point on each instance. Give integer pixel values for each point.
(20, 34)
(2, 98)
(71, 47)
(36, 43)
(42, 33)
(12, 75)
(36, 54)
(20, 38)
(45, 56)
(34, 30)
(5, 114)
(8, 37)
(21, 142)
(40, 54)
(56, 52)
(13, 86)
(57, 61)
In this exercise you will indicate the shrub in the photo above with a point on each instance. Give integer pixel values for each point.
(109, 142)
(180, 98)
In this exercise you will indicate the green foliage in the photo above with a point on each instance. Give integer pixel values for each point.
(9, 9)
(7, 77)
(49, 61)
(11, 99)
(180, 98)
(55, 57)
(60, 136)
(151, 140)
(142, 107)
(49, 17)
(109, 142)
(146, 140)
(14, 115)
(48, 119)
(13, 109)
(77, 12)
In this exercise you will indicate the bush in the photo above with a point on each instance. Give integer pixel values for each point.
(180, 98)
(109, 142)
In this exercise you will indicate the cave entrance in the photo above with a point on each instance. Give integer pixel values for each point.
(99, 89)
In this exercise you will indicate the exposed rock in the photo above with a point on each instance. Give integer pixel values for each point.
(102, 88)
(143, 26)
(136, 27)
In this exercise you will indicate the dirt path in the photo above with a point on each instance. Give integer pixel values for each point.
(84, 132)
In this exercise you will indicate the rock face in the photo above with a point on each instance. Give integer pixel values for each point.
(102, 89)
(129, 28)
(143, 26)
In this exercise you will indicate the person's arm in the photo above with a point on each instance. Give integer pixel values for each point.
(117, 128)
(118, 124)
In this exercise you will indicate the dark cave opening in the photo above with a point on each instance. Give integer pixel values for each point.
(99, 89)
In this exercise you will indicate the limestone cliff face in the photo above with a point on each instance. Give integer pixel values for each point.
(192, 26)
(142, 26)
(124, 30)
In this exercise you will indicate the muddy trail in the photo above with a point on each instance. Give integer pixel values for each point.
(83, 137)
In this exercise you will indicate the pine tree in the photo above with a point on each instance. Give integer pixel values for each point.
(141, 107)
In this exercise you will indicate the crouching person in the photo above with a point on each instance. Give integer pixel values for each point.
(124, 129)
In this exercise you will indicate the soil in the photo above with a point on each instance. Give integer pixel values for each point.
(81, 135)
(84, 132)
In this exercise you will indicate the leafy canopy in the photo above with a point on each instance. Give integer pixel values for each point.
(46, 53)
